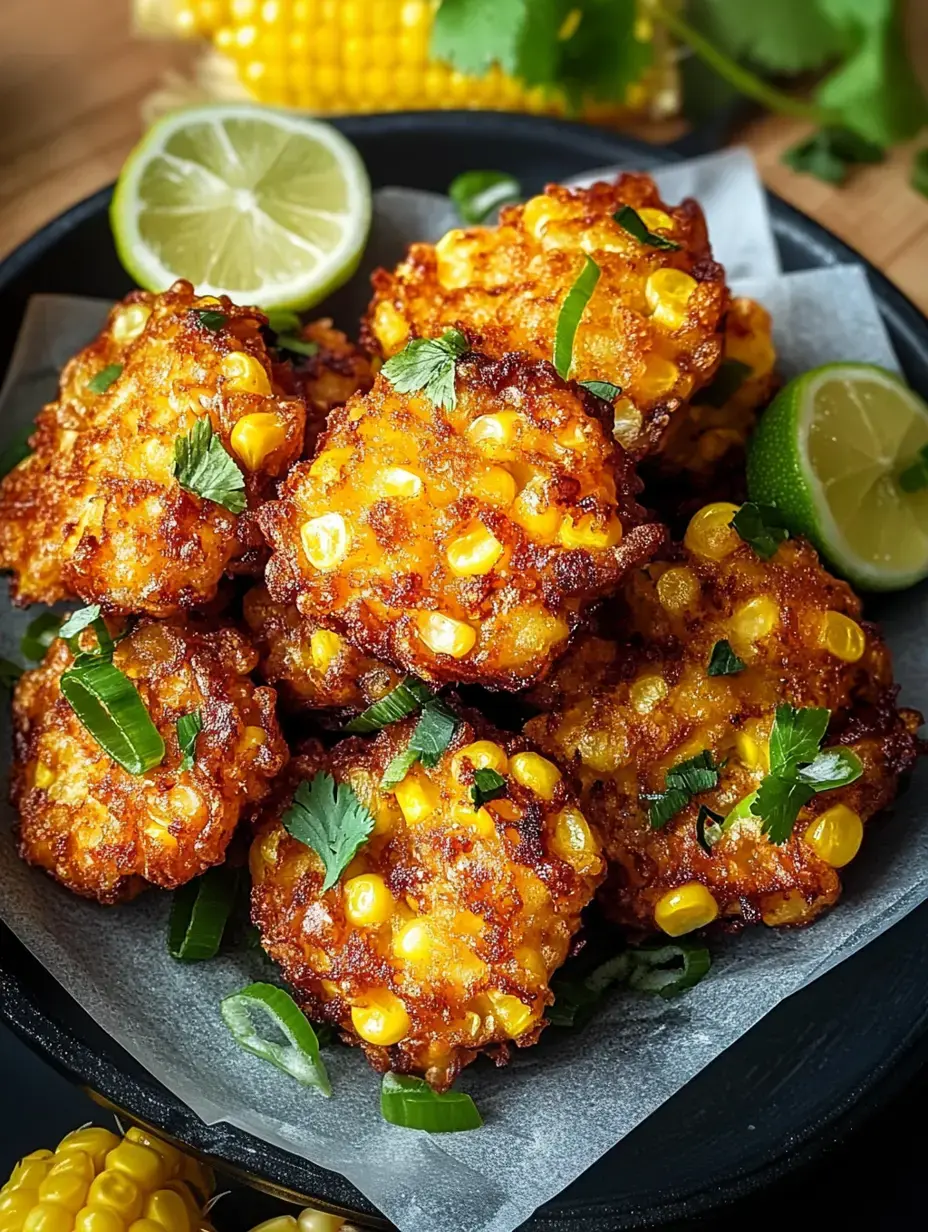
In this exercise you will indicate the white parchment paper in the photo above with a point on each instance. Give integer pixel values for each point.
(561, 1105)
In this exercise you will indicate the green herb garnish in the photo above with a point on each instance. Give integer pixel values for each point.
(16, 451)
(100, 383)
(708, 828)
(488, 785)
(39, 635)
(78, 621)
(427, 365)
(296, 345)
(328, 817)
(919, 175)
(200, 911)
(666, 970)
(298, 1055)
(189, 727)
(682, 782)
(109, 706)
(761, 526)
(603, 389)
(412, 1103)
(430, 738)
(730, 376)
(202, 467)
(401, 701)
(830, 153)
(632, 222)
(572, 310)
(477, 194)
(284, 322)
(10, 672)
(210, 319)
(723, 661)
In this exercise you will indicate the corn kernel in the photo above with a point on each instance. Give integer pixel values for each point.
(390, 328)
(474, 553)
(783, 908)
(417, 798)
(325, 541)
(493, 433)
(496, 486)
(399, 482)
(48, 1217)
(15, 1205)
(753, 753)
(531, 961)
(481, 755)
(684, 909)
(98, 1219)
(171, 1156)
(44, 775)
(310, 1220)
(754, 620)
(668, 291)
(324, 648)
(381, 1020)
(445, 635)
(117, 1192)
(479, 820)
(368, 901)
(244, 374)
(129, 323)
(535, 514)
(330, 463)
(139, 1162)
(256, 436)
(414, 943)
(588, 533)
(835, 835)
(167, 1209)
(710, 533)
(655, 220)
(659, 378)
(535, 773)
(513, 1015)
(30, 1170)
(68, 1181)
(573, 841)
(647, 692)
(93, 1141)
(627, 422)
(678, 590)
(840, 635)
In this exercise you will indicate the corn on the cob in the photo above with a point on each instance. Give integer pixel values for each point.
(96, 1181)
(340, 56)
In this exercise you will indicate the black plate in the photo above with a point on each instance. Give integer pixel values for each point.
(803, 1076)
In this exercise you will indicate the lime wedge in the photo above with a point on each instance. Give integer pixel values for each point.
(269, 208)
(829, 452)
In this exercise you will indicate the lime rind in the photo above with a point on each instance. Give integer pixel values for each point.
(312, 265)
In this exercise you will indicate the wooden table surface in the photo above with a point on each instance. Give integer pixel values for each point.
(73, 79)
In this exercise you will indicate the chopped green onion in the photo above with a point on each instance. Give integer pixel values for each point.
(297, 345)
(189, 727)
(575, 1000)
(729, 378)
(210, 319)
(478, 193)
(284, 322)
(572, 310)
(488, 784)
(10, 672)
(402, 700)
(668, 969)
(110, 708)
(100, 383)
(16, 451)
(39, 635)
(412, 1103)
(299, 1055)
(632, 222)
(603, 389)
(708, 828)
(200, 911)
(740, 812)
(398, 768)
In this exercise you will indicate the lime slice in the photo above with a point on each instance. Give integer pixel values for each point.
(828, 452)
(269, 208)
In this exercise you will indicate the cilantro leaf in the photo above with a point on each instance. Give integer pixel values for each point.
(834, 767)
(402, 700)
(473, 35)
(796, 736)
(761, 526)
(708, 828)
(723, 661)
(189, 727)
(10, 672)
(603, 55)
(568, 319)
(729, 377)
(603, 389)
(915, 476)
(777, 803)
(101, 382)
(488, 784)
(210, 319)
(328, 817)
(427, 365)
(829, 153)
(791, 36)
(632, 222)
(202, 467)
(478, 194)
(919, 176)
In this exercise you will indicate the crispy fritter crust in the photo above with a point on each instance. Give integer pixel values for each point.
(391, 568)
(105, 833)
(505, 286)
(632, 707)
(499, 905)
(95, 511)
(327, 379)
(312, 672)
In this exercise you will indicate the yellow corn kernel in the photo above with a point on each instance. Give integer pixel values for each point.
(67, 1181)
(684, 909)
(659, 378)
(44, 775)
(129, 323)
(93, 1141)
(840, 635)
(496, 486)
(368, 901)
(479, 820)
(535, 773)
(414, 943)
(513, 1015)
(48, 1217)
(678, 590)
(627, 422)
(647, 692)
(531, 961)
(754, 620)
(535, 513)
(324, 648)
(481, 755)
(137, 1161)
(30, 1171)
(256, 436)
(535, 631)
(445, 635)
(244, 374)
(710, 533)
(668, 292)
(474, 553)
(492, 433)
(330, 463)
(399, 482)
(835, 835)
(588, 533)
(167, 1209)
(538, 212)
(784, 908)
(655, 220)
(325, 541)
(753, 751)
(573, 841)
(98, 1219)
(117, 1192)
(417, 797)
(381, 1020)
(389, 327)
(15, 1205)
(171, 1157)
(310, 1220)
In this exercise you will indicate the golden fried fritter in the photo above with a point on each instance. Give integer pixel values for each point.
(653, 325)
(328, 378)
(105, 833)
(311, 667)
(442, 934)
(631, 709)
(95, 510)
(461, 545)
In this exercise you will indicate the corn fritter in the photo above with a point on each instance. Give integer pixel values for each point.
(327, 379)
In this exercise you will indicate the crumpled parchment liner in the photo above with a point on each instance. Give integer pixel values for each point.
(558, 1106)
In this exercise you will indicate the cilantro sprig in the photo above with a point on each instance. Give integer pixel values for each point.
(427, 365)
(328, 817)
(761, 526)
(681, 782)
(203, 467)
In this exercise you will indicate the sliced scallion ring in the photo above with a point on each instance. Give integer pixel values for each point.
(298, 1055)
(668, 969)
(478, 193)
(572, 310)
(39, 635)
(402, 700)
(110, 708)
(200, 911)
(412, 1103)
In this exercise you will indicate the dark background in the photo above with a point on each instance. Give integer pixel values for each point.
(873, 1180)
